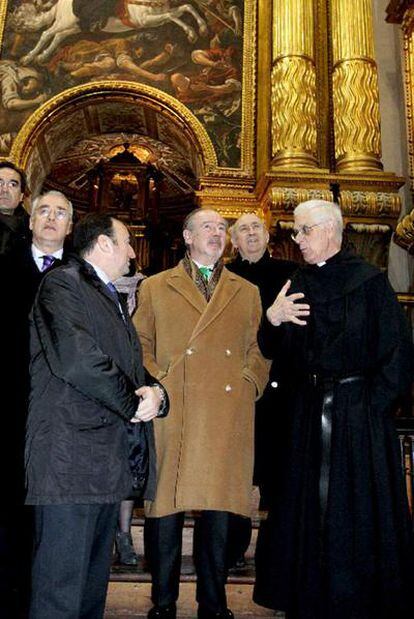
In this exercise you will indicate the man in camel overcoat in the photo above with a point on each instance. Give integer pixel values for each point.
(197, 324)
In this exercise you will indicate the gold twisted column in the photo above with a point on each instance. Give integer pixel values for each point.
(293, 88)
(355, 87)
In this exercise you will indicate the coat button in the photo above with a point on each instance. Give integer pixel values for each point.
(228, 388)
(189, 351)
(274, 384)
(228, 353)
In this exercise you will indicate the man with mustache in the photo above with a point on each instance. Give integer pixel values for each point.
(197, 324)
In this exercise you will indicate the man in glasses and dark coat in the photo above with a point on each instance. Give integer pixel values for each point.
(339, 544)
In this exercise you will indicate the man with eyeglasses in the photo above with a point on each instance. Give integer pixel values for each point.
(339, 544)
(14, 219)
(22, 270)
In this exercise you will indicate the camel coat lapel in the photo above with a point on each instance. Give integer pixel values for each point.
(206, 356)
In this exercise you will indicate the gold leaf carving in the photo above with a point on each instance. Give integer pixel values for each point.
(294, 110)
(357, 118)
(287, 198)
(370, 204)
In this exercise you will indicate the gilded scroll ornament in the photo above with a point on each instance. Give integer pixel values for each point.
(287, 198)
(370, 204)
(404, 233)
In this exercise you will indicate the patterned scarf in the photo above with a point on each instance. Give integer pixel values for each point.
(205, 287)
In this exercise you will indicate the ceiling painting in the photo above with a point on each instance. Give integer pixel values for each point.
(191, 50)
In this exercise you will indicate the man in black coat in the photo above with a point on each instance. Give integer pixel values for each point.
(87, 391)
(250, 237)
(22, 269)
(14, 220)
(339, 544)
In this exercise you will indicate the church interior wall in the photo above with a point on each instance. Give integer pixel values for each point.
(388, 43)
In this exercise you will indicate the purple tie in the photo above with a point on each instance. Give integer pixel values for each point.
(113, 291)
(47, 262)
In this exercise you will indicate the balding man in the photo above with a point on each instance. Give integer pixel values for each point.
(250, 237)
(198, 324)
(339, 543)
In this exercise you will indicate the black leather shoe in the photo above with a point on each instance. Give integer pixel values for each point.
(204, 613)
(163, 612)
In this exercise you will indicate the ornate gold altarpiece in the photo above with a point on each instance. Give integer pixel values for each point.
(318, 123)
(310, 122)
(402, 12)
(325, 124)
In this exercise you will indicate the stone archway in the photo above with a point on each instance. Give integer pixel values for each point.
(64, 139)
(74, 113)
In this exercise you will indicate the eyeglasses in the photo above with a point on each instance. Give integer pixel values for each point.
(46, 211)
(11, 184)
(305, 230)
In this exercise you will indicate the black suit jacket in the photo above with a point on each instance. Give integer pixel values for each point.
(86, 363)
(20, 279)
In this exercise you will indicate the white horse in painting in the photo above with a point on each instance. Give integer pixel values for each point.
(61, 22)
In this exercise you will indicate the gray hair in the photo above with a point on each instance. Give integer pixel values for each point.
(330, 210)
(52, 192)
(188, 221)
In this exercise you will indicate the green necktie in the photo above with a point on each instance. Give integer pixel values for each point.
(206, 272)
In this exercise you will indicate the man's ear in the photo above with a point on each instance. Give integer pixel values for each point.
(104, 243)
(187, 236)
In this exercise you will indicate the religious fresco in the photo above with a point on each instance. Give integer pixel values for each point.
(191, 50)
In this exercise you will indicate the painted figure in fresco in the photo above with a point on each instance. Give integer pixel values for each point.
(89, 58)
(20, 94)
(217, 77)
(64, 20)
(75, 41)
(223, 14)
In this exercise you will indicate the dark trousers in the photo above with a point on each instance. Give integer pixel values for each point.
(16, 539)
(72, 560)
(164, 539)
(240, 534)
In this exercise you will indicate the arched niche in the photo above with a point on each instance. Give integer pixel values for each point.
(102, 107)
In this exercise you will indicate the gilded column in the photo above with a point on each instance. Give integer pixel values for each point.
(293, 88)
(355, 87)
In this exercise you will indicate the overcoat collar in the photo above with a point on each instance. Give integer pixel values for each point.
(95, 281)
(227, 287)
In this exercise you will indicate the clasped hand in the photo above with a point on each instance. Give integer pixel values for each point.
(149, 404)
(286, 308)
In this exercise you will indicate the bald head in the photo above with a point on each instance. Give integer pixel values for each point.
(250, 237)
